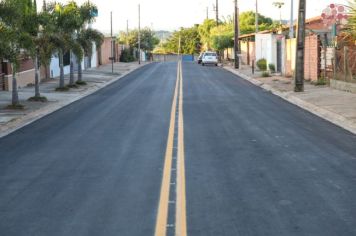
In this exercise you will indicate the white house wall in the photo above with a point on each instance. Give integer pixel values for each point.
(54, 68)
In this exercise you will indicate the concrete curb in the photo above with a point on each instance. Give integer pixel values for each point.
(40, 113)
(325, 114)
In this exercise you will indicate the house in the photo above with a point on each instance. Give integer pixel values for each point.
(109, 48)
(278, 49)
(26, 74)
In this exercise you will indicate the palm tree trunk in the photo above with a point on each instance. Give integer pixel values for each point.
(71, 70)
(61, 76)
(80, 72)
(47, 72)
(15, 94)
(71, 73)
(37, 79)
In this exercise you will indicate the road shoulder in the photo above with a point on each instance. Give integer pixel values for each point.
(328, 110)
(97, 79)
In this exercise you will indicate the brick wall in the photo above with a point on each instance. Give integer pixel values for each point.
(312, 56)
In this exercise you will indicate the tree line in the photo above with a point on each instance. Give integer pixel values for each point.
(56, 29)
(212, 36)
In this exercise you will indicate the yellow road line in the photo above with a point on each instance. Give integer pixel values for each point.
(162, 215)
(181, 221)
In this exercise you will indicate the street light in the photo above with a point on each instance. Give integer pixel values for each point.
(279, 5)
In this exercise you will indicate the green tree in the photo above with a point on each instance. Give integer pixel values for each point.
(204, 33)
(15, 40)
(64, 20)
(189, 41)
(222, 37)
(148, 39)
(86, 36)
(247, 22)
(350, 28)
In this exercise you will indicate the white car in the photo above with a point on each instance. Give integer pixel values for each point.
(210, 58)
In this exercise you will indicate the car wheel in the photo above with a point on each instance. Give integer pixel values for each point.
(202, 64)
(216, 64)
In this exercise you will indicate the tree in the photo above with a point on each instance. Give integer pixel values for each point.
(189, 41)
(64, 20)
(148, 39)
(204, 33)
(86, 36)
(222, 37)
(15, 40)
(247, 22)
(350, 28)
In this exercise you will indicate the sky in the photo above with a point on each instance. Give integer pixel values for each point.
(172, 14)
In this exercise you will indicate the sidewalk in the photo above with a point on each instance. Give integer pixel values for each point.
(333, 105)
(96, 78)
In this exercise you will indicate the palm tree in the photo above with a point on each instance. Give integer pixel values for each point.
(64, 21)
(86, 38)
(15, 40)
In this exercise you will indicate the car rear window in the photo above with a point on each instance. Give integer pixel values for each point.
(210, 54)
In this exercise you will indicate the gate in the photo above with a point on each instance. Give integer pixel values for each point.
(279, 55)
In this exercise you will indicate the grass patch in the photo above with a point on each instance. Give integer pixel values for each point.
(320, 82)
(64, 89)
(15, 107)
(265, 74)
(38, 99)
(81, 82)
(72, 86)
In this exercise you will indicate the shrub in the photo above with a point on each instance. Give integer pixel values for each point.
(81, 82)
(127, 55)
(262, 64)
(265, 74)
(321, 81)
(38, 99)
(272, 67)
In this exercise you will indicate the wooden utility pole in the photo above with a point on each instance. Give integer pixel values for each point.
(139, 34)
(112, 46)
(236, 36)
(299, 62)
(256, 17)
(217, 12)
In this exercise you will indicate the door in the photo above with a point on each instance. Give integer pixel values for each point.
(279, 56)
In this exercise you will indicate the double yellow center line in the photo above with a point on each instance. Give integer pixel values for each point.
(180, 216)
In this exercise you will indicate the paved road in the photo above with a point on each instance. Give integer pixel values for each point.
(225, 158)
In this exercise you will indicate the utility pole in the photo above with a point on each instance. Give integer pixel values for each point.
(256, 17)
(299, 62)
(139, 34)
(217, 12)
(291, 26)
(236, 36)
(127, 32)
(112, 46)
(207, 12)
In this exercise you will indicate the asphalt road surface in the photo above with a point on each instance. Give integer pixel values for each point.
(179, 149)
